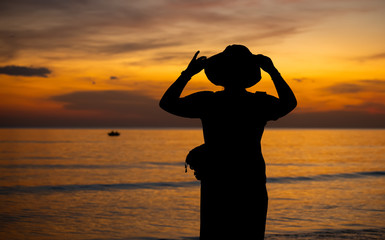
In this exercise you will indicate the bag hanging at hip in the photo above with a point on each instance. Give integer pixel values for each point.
(197, 158)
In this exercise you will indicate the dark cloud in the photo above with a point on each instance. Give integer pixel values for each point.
(114, 78)
(373, 85)
(374, 82)
(132, 109)
(300, 79)
(378, 56)
(368, 107)
(119, 108)
(111, 101)
(25, 71)
(331, 119)
(158, 118)
(344, 88)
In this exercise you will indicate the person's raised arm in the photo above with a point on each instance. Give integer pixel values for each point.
(170, 101)
(287, 100)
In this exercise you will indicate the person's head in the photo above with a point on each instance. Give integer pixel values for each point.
(235, 67)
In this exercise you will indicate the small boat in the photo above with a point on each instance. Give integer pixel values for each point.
(113, 133)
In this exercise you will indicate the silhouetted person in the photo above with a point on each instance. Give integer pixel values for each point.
(231, 165)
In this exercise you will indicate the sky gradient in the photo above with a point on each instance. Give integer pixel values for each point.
(107, 63)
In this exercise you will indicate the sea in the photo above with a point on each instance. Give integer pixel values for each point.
(84, 184)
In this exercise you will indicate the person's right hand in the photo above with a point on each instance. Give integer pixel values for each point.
(196, 65)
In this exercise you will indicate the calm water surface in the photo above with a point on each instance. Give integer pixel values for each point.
(83, 184)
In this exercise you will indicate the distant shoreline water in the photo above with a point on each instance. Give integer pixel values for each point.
(156, 185)
(192, 128)
(343, 234)
(78, 183)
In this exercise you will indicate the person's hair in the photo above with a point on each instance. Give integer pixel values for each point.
(235, 66)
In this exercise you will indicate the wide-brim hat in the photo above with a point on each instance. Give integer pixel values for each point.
(235, 66)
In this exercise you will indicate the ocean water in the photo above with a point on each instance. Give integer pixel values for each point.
(83, 184)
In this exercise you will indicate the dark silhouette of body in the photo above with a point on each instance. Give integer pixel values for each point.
(233, 182)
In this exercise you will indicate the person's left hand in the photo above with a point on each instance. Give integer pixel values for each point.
(265, 63)
(196, 65)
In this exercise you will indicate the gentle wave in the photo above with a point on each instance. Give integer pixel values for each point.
(87, 166)
(40, 142)
(339, 234)
(164, 163)
(62, 166)
(326, 177)
(96, 187)
(157, 185)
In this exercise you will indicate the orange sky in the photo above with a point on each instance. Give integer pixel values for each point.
(106, 63)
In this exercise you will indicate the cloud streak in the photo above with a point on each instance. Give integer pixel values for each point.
(370, 85)
(114, 27)
(108, 101)
(373, 57)
(25, 71)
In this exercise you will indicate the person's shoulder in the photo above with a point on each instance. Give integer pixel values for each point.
(200, 95)
(259, 94)
(203, 93)
(265, 96)
(206, 93)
